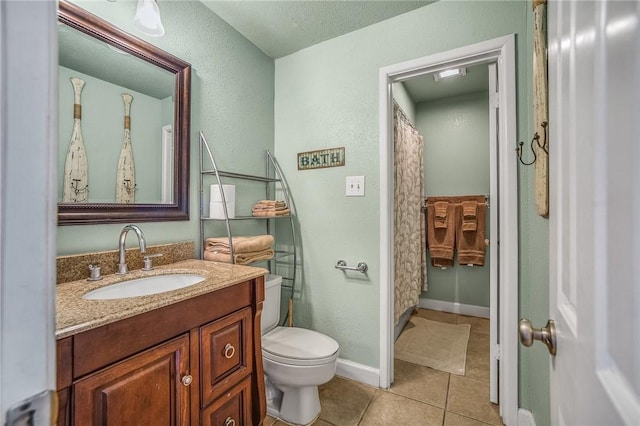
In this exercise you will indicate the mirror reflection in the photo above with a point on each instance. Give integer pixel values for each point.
(120, 165)
(125, 110)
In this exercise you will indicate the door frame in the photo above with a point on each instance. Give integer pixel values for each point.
(501, 51)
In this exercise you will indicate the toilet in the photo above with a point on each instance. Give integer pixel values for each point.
(296, 361)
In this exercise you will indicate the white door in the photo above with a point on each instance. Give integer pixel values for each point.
(594, 93)
(28, 139)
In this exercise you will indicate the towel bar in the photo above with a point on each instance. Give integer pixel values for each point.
(362, 266)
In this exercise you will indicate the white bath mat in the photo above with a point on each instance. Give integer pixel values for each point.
(434, 344)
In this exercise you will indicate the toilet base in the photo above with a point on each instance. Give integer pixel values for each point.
(295, 406)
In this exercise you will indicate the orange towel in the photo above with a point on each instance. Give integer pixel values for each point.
(441, 241)
(240, 244)
(469, 215)
(440, 212)
(270, 213)
(471, 245)
(240, 258)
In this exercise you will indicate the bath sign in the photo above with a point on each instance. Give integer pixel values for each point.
(332, 157)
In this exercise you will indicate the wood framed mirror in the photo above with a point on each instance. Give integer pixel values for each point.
(174, 203)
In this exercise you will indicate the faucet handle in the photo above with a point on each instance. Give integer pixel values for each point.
(94, 273)
(147, 262)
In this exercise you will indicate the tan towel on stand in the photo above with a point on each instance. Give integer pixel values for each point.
(240, 244)
(471, 245)
(441, 241)
(268, 213)
(240, 258)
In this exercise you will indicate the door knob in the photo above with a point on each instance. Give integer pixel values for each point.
(546, 335)
(186, 380)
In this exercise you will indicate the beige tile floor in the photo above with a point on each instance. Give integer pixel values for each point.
(420, 395)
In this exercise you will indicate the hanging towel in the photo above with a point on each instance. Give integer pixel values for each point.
(469, 215)
(471, 245)
(440, 215)
(441, 241)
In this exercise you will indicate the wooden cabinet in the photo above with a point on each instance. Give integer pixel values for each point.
(151, 388)
(233, 408)
(193, 362)
(225, 352)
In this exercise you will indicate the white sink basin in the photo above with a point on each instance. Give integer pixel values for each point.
(144, 286)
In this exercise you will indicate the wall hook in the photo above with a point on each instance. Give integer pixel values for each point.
(76, 189)
(536, 139)
(128, 187)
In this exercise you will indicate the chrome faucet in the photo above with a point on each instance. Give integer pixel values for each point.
(122, 266)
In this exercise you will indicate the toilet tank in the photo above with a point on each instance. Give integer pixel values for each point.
(271, 306)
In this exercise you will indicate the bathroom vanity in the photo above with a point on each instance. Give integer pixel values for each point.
(190, 356)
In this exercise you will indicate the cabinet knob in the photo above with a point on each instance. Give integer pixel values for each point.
(186, 380)
(229, 422)
(229, 351)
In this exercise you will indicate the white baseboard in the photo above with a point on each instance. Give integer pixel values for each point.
(454, 307)
(525, 418)
(358, 372)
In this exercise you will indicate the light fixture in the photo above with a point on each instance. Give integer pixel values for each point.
(147, 18)
(452, 72)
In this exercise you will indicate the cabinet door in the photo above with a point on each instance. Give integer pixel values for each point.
(145, 389)
(233, 408)
(226, 349)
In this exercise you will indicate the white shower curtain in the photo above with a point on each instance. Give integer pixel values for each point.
(410, 276)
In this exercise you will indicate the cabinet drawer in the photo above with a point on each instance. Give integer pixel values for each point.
(233, 408)
(225, 352)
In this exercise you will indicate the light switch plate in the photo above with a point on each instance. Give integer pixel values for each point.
(355, 186)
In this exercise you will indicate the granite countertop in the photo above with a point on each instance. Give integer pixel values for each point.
(75, 314)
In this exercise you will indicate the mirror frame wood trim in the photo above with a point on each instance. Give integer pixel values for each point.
(96, 213)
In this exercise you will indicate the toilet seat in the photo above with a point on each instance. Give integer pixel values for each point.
(299, 346)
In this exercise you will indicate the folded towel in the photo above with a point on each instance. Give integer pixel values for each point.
(471, 245)
(270, 213)
(240, 258)
(469, 209)
(440, 208)
(469, 215)
(240, 244)
(267, 208)
(271, 203)
(440, 212)
(441, 241)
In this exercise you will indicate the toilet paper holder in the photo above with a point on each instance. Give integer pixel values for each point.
(362, 266)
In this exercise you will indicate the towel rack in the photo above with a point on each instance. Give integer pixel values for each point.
(486, 202)
(362, 266)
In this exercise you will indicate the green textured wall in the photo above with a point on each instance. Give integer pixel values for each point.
(403, 99)
(456, 162)
(327, 96)
(232, 102)
(534, 362)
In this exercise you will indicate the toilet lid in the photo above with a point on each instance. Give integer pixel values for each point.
(299, 343)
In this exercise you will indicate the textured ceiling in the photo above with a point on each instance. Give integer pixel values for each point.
(280, 28)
